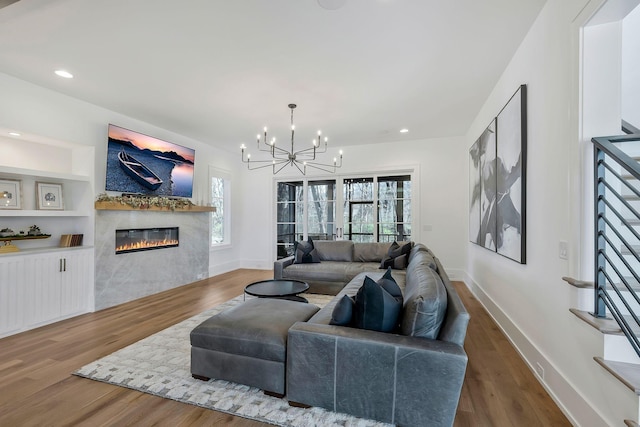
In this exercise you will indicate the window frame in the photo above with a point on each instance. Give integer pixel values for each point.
(226, 203)
(412, 172)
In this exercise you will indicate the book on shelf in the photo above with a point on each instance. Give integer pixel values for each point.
(69, 240)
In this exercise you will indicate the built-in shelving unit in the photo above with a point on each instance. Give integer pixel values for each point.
(41, 282)
(76, 217)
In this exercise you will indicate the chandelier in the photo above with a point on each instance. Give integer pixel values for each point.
(301, 159)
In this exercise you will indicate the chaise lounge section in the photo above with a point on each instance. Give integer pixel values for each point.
(401, 378)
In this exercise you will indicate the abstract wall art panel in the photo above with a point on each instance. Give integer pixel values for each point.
(497, 182)
(482, 203)
(511, 177)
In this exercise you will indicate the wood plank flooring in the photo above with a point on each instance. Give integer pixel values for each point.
(37, 388)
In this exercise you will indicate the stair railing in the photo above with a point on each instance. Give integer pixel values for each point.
(617, 242)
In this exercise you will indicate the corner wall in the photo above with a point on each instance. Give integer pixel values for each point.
(530, 302)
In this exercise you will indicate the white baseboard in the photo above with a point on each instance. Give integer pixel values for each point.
(574, 406)
(226, 267)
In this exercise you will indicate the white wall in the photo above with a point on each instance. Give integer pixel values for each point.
(442, 187)
(631, 68)
(530, 302)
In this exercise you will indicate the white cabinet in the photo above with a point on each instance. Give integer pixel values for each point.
(11, 295)
(43, 287)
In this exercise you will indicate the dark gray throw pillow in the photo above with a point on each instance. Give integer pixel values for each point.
(305, 252)
(390, 285)
(342, 312)
(397, 256)
(374, 308)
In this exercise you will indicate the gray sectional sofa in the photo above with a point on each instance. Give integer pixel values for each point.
(340, 261)
(410, 378)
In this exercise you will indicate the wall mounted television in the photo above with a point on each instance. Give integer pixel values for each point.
(141, 164)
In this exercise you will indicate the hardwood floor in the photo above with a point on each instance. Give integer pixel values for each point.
(37, 388)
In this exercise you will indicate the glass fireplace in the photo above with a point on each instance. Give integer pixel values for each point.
(145, 239)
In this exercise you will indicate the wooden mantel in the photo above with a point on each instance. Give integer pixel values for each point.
(116, 206)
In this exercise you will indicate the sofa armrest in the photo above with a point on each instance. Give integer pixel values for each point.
(280, 264)
(388, 377)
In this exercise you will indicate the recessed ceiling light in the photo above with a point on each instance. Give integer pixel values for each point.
(64, 73)
(14, 134)
(405, 130)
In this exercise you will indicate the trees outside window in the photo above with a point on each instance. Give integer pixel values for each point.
(220, 198)
(367, 209)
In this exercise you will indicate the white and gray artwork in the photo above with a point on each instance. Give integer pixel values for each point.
(511, 128)
(482, 204)
(497, 182)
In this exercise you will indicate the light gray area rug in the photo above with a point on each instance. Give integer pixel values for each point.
(160, 365)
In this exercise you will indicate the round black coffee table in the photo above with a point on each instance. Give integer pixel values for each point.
(278, 288)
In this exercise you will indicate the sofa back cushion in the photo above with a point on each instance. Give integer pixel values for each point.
(334, 250)
(421, 255)
(425, 302)
(370, 252)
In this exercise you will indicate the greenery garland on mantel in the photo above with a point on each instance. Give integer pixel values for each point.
(146, 202)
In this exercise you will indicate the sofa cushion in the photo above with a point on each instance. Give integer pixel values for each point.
(374, 308)
(342, 312)
(370, 252)
(423, 257)
(256, 328)
(425, 303)
(305, 252)
(328, 271)
(397, 256)
(332, 250)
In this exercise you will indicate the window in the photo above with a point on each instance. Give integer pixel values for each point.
(394, 208)
(321, 209)
(359, 223)
(220, 194)
(289, 216)
(367, 209)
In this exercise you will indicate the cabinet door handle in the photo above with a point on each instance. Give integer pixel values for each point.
(65, 264)
(60, 267)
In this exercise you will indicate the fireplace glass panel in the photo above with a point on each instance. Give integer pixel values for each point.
(134, 240)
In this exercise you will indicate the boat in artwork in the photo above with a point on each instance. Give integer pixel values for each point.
(138, 171)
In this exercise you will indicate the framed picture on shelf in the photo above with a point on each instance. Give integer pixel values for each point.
(49, 196)
(10, 194)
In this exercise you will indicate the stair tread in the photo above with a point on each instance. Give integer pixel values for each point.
(627, 373)
(583, 284)
(605, 325)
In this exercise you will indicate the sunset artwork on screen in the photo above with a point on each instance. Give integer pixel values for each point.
(141, 164)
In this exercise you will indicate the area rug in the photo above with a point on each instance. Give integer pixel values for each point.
(159, 365)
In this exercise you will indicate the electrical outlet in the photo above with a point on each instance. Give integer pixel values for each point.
(563, 252)
(540, 371)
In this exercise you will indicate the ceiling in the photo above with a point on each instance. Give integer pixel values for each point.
(219, 70)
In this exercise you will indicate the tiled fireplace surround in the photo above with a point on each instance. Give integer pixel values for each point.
(125, 277)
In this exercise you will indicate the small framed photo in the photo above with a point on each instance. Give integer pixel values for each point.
(49, 196)
(10, 194)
